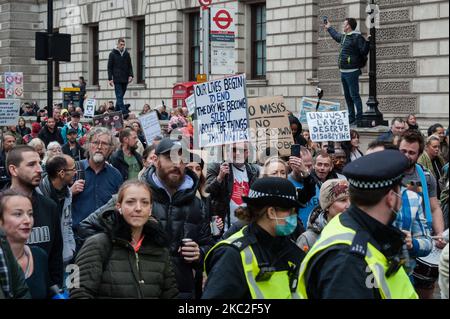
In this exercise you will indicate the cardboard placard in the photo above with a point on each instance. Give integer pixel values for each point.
(190, 103)
(113, 121)
(328, 126)
(221, 109)
(150, 125)
(89, 109)
(269, 124)
(9, 112)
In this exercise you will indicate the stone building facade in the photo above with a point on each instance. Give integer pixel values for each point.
(412, 42)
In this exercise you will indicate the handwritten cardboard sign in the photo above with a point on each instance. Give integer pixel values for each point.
(269, 124)
(328, 126)
(221, 109)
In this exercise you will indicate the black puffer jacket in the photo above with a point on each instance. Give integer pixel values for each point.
(110, 268)
(181, 216)
(119, 66)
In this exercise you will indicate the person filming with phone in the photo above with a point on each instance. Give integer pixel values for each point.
(352, 58)
(228, 182)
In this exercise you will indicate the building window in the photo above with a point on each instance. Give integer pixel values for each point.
(56, 68)
(94, 54)
(140, 50)
(259, 41)
(194, 45)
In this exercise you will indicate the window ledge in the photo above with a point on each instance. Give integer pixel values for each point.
(139, 86)
(257, 83)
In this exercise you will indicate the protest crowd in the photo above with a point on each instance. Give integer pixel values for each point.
(156, 219)
(232, 199)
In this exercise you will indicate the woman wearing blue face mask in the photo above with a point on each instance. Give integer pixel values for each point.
(260, 261)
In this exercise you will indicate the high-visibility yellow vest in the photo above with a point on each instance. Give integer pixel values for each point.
(277, 287)
(396, 286)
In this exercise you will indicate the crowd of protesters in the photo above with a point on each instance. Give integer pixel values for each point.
(140, 219)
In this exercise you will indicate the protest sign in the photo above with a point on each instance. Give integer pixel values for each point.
(309, 105)
(150, 126)
(9, 112)
(113, 121)
(269, 124)
(14, 85)
(89, 109)
(328, 126)
(221, 109)
(190, 103)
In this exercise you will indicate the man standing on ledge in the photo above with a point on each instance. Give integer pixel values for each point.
(352, 57)
(120, 73)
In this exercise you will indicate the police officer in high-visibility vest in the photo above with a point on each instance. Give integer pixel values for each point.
(260, 261)
(359, 253)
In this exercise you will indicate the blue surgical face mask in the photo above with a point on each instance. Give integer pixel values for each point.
(289, 226)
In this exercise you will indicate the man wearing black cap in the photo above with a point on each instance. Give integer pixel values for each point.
(179, 211)
(360, 254)
(72, 148)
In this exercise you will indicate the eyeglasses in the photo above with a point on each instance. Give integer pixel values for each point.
(55, 149)
(101, 144)
(70, 169)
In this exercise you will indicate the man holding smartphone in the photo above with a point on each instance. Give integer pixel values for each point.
(301, 163)
(228, 182)
(352, 57)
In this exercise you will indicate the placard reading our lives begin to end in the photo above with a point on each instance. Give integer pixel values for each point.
(221, 110)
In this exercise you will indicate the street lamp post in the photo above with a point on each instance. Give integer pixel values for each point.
(373, 116)
(50, 58)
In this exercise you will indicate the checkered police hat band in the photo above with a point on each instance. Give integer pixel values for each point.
(375, 184)
(256, 194)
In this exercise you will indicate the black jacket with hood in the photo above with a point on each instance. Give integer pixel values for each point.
(119, 66)
(46, 136)
(181, 216)
(353, 47)
(110, 267)
(117, 160)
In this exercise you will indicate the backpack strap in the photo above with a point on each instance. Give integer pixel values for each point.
(406, 211)
(425, 195)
